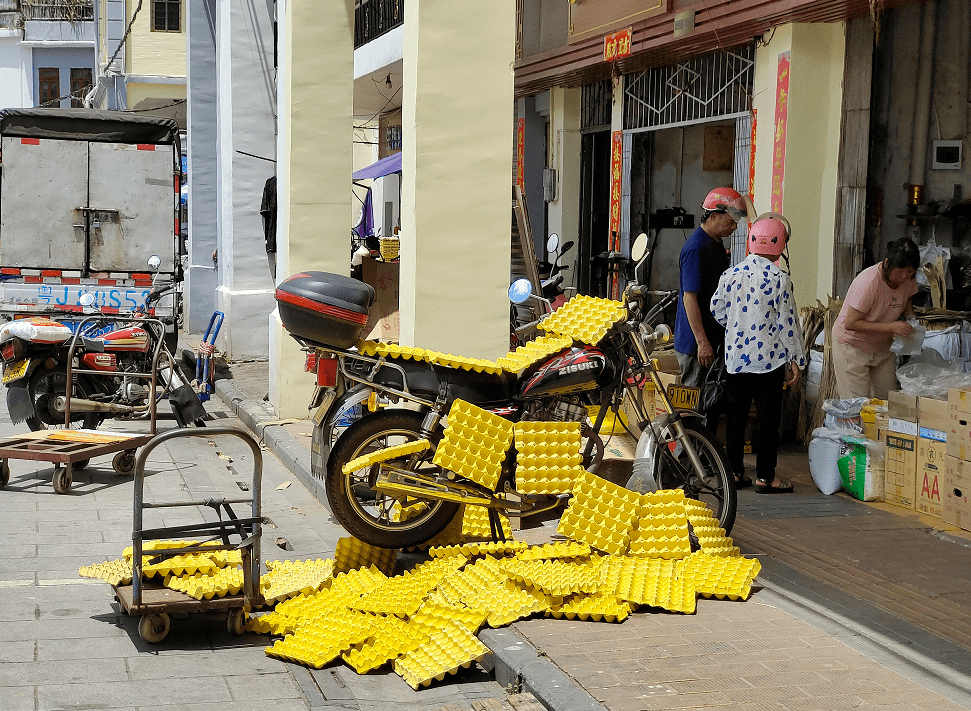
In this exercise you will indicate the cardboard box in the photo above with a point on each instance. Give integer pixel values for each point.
(930, 476)
(384, 319)
(900, 486)
(956, 506)
(959, 431)
(901, 406)
(933, 414)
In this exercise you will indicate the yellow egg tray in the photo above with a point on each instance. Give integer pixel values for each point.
(512, 602)
(555, 577)
(477, 548)
(403, 594)
(273, 623)
(149, 546)
(721, 577)
(552, 551)
(437, 609)
(352, 554)
(533, 351)
(187, 564)
(393, 350)
(548, 457)
(598, 607)
(389, 638)
(289, 578)
(661, 535)
(601, 514)
(474, 444)
(386, 455)
(584, 318)
(205, 586)
(114, 572)
(649, 581)
(318, 642)
(344, 589)
(451, 649)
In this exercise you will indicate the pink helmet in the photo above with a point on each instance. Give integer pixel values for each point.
(769, 234)
(726, 200)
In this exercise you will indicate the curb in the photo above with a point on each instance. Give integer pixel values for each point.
(520, 667)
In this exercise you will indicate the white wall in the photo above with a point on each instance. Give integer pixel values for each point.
(14, 71)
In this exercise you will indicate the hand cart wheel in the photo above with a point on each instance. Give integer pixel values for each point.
(124, 462)
(63, 478)
(4, 473)
(154, 628)
(80, 463)
(236, 621)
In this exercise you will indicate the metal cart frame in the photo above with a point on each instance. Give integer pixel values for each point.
(155, 602)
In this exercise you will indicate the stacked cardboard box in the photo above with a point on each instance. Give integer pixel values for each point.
(934, 422)
(900, 485)
(956, 489)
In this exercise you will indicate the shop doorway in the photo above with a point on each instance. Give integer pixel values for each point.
(594, 213)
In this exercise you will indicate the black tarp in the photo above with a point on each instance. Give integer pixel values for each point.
(87, 125)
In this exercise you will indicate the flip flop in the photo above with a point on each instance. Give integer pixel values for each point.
(743, 482)
(763, 488)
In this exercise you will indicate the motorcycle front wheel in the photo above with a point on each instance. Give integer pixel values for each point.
(43, 387)
(371, 516)
(715, 487)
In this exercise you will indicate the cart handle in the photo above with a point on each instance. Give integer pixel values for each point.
(252, 572)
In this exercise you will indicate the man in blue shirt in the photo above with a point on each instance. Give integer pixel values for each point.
(697, 335)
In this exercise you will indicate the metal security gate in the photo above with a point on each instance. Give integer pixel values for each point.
(716, 86)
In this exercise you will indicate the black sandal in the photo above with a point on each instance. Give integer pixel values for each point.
(765, 487)
(743, 482)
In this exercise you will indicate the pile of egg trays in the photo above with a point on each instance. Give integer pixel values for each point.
(547, 457)
(288, 578)
(534, 350)
(393, 350)
(386, 454)
(474, 444)
(665, 530)
(584, 318)
(601, 514)
(470, 524)
(222, 582)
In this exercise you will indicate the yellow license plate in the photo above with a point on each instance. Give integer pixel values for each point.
(683, 397)
(15, 370)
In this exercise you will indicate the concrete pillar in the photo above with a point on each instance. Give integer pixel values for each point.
(203, 186)
(813, 117)
(245, 159)
(563, 213)
(456, 193)
(315, 105)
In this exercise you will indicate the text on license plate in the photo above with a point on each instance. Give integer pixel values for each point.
(15, 370)
(683, 397)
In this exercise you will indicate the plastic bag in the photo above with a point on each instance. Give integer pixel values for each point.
(844, 414)
(824, 452)
(37, 329)
(930, 380)
(861, 468)
(912, 344)
(929, 254)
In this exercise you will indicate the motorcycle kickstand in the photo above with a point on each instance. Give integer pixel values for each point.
(496, 525)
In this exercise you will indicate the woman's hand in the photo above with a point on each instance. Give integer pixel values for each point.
(794, 375)
(901, 328)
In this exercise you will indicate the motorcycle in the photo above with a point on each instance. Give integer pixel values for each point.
(110, 374)
(675, 450)
(522, 322)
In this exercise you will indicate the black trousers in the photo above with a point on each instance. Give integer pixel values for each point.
(766, 390)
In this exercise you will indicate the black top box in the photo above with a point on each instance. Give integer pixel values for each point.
(326, 309)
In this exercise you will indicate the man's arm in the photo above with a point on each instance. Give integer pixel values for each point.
(706, 354)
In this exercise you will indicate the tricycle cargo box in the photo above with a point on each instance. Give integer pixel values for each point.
(325, 308)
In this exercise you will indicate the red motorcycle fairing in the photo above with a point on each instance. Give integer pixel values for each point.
(100, 361)
(131, 340)
(577, 369)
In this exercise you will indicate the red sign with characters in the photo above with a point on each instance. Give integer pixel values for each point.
(616, 190)
(617, 45)
(520, 151)
(779, 137)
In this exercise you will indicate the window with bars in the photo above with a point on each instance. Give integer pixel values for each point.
(48, 86)
(595, 104)
(166, 15)
(80, 81)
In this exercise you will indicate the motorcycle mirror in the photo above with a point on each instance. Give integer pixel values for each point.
(154, 262)
(639, 250)
(86, 299)
(520, 290)
(567, 246)
(553, 242)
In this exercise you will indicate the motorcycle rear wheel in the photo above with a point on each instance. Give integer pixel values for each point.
(716, 489)
(369, 515)
(43, 387)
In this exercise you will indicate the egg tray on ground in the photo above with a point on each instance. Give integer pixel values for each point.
(423, 621)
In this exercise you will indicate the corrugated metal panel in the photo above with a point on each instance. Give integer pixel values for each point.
(715, 86)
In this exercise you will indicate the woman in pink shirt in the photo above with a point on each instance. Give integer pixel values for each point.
(869, 320)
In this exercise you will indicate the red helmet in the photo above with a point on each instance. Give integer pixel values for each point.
(769, 234)
(726, 200)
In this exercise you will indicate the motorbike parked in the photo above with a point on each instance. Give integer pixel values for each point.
(325, 313)
(110, 373)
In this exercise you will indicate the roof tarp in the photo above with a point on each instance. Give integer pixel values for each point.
(385, 166)
(87, 125)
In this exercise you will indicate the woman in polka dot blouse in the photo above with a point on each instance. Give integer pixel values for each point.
(763, 347)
